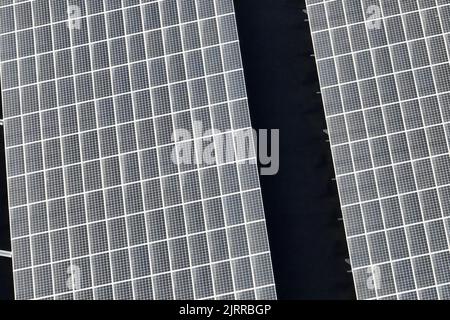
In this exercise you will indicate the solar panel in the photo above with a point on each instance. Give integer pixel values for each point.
(384, 75)
(101, 207)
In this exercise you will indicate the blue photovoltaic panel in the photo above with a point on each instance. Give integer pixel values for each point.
(100, 205)
(384, 73)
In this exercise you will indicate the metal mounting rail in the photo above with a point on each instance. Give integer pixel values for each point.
(5, 254)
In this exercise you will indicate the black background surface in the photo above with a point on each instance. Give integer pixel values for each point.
(307, 241)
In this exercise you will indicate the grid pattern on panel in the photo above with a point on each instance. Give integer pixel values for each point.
(384, 74)
(101, 206)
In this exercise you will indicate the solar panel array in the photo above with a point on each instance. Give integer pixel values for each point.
(92, 92)
(385, 81)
